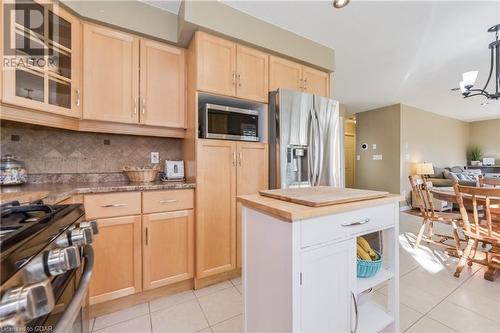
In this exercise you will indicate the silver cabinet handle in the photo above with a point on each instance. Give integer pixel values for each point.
(147, 235)
(234, 79)
(301, 84)
(114, 205)
(305, 84)
(168, 201)
(239, 80)
(135, 106)
(349, 224)
(143, 106)
(240, 158)
(355, 312)
(77, 92)
(234, 158)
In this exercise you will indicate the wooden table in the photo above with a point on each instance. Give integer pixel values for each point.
(449, 195)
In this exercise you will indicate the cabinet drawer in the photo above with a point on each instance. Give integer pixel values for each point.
(344, 225)
(164, 201)
(112, 204)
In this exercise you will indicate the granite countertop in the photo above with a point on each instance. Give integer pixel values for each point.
(55, 192)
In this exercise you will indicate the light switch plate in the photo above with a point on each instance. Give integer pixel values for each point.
(374, 146)
(155, 157)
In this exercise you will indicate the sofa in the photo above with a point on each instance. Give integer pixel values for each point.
(445, 177)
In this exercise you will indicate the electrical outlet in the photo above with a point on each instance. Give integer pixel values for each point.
(155, 157)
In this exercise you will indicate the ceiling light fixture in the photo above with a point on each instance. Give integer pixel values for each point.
(469, 78)
(340, 3)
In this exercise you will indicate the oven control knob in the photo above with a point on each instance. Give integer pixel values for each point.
(80, 236)
(29, 302)
(92, 225)
(60, 261)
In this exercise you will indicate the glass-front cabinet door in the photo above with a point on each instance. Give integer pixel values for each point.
(41, 63)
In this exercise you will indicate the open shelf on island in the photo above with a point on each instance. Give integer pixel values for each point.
(366, 283)
(373, 317)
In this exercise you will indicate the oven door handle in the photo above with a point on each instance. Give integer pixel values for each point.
(68, 317)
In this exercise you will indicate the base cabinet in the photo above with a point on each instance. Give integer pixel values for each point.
(168, 248)
(320, 271)
(117, 269)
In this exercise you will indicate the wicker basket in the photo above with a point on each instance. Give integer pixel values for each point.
(141, 175)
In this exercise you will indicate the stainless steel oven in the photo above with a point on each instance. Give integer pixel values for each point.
(228, 123)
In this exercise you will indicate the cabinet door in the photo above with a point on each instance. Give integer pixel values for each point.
(284, 74)
(168, 248)
(163, 87)
(252, 74)
(316, 82)
(252, 176)
(328, 278)
(216, 64)
(215, 207)
(111, 75)
(42, 70)
(117, 267)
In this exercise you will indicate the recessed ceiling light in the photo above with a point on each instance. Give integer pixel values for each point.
(340, 3)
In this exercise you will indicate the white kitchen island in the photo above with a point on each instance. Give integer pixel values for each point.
(299, 266)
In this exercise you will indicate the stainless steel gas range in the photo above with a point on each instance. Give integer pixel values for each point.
(46, 264)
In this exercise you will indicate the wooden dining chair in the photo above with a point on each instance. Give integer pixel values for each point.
(429, 215)
(484, 227)
(490, 181)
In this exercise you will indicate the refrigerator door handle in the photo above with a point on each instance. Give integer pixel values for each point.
(319, 137)
(310, 154)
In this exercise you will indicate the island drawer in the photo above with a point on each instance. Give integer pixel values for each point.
(165, 201)
(112, 204)
(344, 225)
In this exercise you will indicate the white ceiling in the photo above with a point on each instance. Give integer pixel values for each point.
(388, 52)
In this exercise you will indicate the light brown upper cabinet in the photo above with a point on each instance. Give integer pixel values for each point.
(226, 68)
(168, 248)
(315, 81)
(291, 75)
(163, 84)
(110, 78)
(42, 70)
(252, 176)
(215, 207)
(112, 61)
(117, 268)
(284, 74)
(225, 169)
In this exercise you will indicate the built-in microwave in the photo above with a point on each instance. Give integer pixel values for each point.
(228, 123)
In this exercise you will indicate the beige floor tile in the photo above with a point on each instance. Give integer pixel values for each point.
(476, 302)
(233, 325)
(239, 287)
(140, 324)
(429, 282)
(461, 319)
(477, 284)
(407, 316)
(416, 298)
(183, 317)
(236, 281)
(171, 300)
(221, 305)
(122, 315)
(428, 325)
(205, 330)
(213, 288)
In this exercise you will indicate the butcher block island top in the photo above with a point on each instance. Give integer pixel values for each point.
(316, 201)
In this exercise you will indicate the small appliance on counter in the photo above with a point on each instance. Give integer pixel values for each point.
(174, 171)
(488, 161)
(12, 171)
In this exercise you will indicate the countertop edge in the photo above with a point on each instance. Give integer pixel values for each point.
(291, 212)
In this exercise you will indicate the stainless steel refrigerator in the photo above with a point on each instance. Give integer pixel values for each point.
(305, 140)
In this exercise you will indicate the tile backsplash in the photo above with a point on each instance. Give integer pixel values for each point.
(48, 150)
